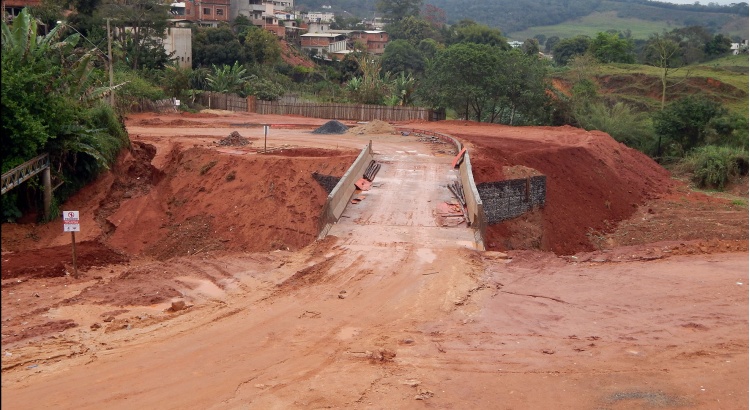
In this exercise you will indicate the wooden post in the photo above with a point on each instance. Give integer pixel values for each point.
(47, 182)
(75, 267)
(265, 138)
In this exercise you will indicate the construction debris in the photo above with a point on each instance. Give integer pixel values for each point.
(458, 191)
(431, 139)
(363, 184)
(371, 170)
(459, 158)
(234, 139)
(358, 199)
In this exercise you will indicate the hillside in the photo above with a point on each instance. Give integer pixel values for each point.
(724, 80)
(525, 18)
(641, 20)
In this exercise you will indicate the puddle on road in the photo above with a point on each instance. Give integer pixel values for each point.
(426, 255)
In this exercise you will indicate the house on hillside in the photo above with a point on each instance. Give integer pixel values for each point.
(266, 14)
(318, 17)
(207, 13)
(738, 48)
(375, 40)
(12, 8)
(324, 45)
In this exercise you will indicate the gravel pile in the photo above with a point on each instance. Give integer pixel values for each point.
(332, 127)
(234, 139)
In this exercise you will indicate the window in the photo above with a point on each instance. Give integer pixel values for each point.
(207, 11)
(219, 12)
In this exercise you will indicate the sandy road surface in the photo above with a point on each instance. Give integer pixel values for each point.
(392, 311)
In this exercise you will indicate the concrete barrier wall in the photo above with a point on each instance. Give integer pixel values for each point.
(339, 198)
(474, 205)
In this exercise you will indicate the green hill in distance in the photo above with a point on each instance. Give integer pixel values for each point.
(521, 19)
(641, 20)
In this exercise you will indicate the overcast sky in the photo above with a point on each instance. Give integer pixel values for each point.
(705, 2)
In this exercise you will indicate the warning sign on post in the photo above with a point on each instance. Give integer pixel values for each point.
(70, 221)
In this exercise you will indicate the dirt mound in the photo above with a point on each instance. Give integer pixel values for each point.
(331, 127)
(57, 260)
(593, 181)
(373, 127)
(210, 201)
(234, 140)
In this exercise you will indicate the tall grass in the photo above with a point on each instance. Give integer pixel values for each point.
(620, 121)
(714, 166)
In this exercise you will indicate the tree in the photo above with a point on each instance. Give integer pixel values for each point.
(684, 122)
(664, 53)
(401, 56)
(488, 84)
(549, 45)
(261, 46)
(429, 48)
(691, 41)
(530, 47)
(610, 48)
(51, 103)
(462, 78)
(412, 28)
(216, 46)
(567, 48)
(141, 25)
(434, 15)
(480, 34)
(227, 79)
(522, 87)
(540, 38)
(371, 88)
(399, 9)
(719, 45)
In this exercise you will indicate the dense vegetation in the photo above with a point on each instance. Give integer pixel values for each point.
(56, 94)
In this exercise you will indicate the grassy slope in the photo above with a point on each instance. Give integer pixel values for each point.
(724, 79)
(595, 23)
(641, 20)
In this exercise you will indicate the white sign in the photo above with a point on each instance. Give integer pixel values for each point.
(70, 216)
(70, 220)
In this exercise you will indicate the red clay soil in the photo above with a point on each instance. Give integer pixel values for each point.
(390, 325)
(593, 182)
(58, 260)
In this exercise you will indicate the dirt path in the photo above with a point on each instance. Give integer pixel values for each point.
(391, 311)
(343, 328)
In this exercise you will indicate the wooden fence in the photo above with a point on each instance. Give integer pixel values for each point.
(219, 101)
(144, 104)
(353, 112)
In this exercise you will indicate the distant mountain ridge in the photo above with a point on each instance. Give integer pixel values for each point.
(517, 15)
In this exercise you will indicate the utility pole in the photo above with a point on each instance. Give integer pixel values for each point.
(111, 69)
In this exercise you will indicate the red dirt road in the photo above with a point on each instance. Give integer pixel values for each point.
(638, 308)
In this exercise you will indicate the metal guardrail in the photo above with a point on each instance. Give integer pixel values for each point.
(23, 172)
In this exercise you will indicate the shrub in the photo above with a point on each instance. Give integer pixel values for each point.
(713, 166)
(619, 121)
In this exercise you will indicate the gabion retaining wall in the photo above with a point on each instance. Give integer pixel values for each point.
(508, 199)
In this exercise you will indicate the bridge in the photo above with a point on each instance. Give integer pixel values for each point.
(25, 171)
